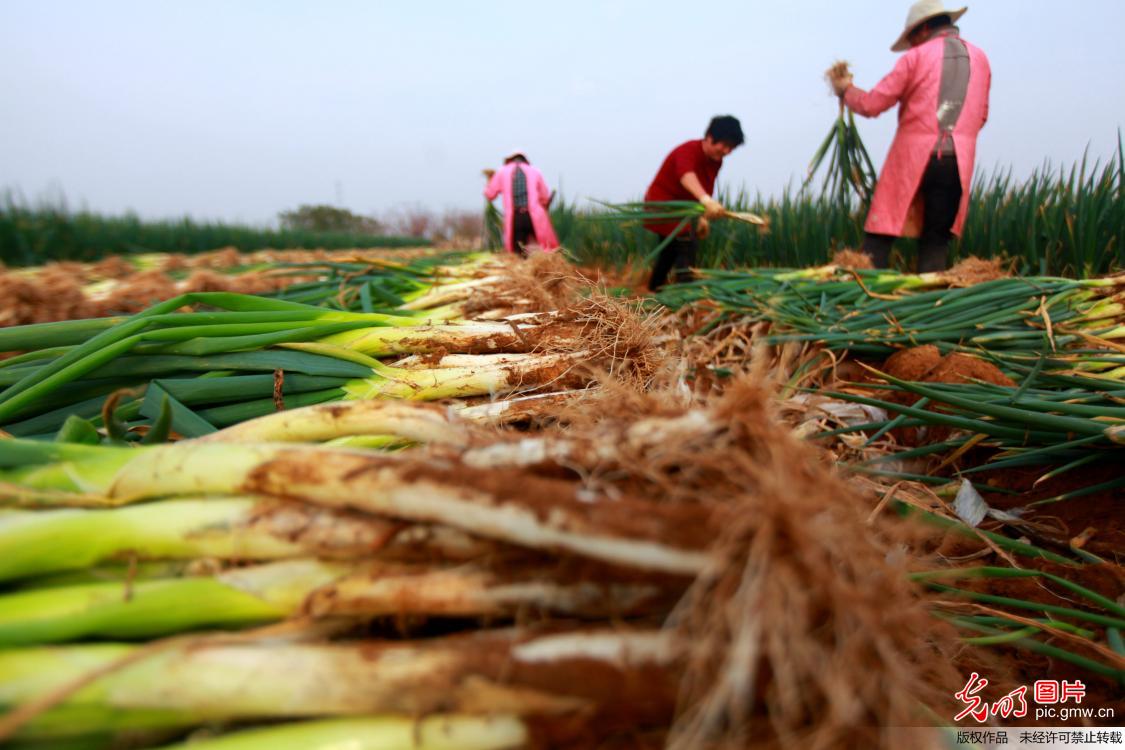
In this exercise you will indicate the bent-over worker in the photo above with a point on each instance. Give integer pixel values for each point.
(688, 173)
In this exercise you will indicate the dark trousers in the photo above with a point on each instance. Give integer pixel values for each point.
(679, 254)
(941, 196)
(523, 231)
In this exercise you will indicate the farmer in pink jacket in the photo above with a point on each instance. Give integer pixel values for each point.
(941, 86)
(526, 199)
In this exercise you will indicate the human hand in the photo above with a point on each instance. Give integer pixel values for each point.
(842, 84)
(839, 77)
(488, 173)
(702, 228)
(712, 209)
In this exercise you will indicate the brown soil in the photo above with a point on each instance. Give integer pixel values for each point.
(924, 364)
(852, 372)
(962, 368)
(1007, 667)
(1099, 511)
(432, 358)
(913, 364)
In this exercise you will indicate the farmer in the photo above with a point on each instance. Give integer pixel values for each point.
(526, 199)
(941, 86)
(688, 173)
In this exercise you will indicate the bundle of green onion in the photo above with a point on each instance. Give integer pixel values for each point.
(1064, 429)
(492, 227)
(682, 212)
(850, 171)
(1057, 339)
(371, 285)
(878, 311)
(140, 542)
(250, 356)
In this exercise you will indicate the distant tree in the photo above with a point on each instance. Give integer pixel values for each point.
(456, 227)
(462, 228)
(324, 218)
(413, 220)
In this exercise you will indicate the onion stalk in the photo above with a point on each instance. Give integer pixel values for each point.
(451, 732)
(46, 541)
(273, 591)
(493, 672)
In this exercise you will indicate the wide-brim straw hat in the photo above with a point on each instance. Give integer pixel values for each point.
(920, 12)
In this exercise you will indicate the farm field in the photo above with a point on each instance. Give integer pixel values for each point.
(121, 284)
(1062, 220)
(532, 505)
(49, 231)
(378, 376)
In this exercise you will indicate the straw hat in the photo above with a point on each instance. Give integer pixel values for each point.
(920, 12)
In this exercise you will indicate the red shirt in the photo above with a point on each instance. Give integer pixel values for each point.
(687, 157)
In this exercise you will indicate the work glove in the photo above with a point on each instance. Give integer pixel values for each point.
(712, 209)
(702, 228)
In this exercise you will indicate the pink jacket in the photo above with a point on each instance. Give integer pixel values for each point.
(538, 197)
(915, 84)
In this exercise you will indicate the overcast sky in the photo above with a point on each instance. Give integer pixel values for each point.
(231, 110)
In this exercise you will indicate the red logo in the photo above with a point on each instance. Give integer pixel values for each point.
(1050, 692)
(1014, 704)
